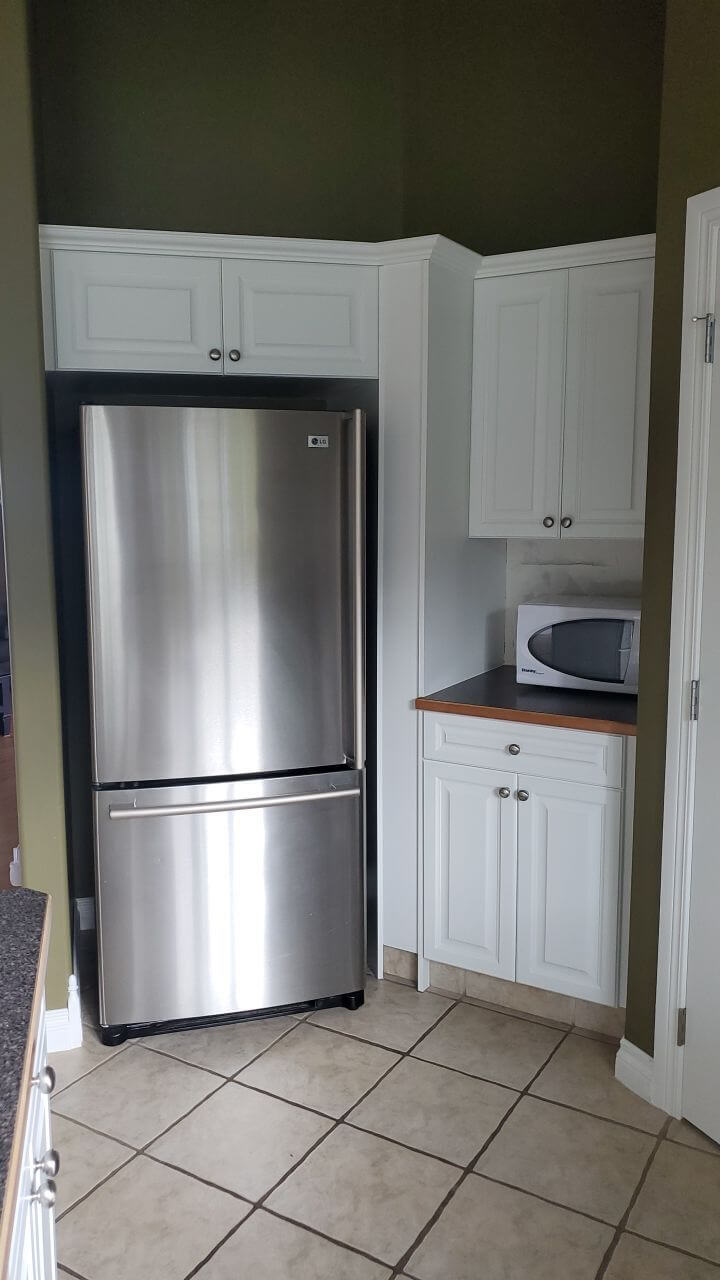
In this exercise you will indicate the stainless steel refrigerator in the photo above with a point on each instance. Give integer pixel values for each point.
(225, 584)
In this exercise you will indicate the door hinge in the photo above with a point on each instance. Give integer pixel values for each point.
(709, 319)
(694, 699)
(681, 1027)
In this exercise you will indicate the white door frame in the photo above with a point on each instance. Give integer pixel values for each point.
(702, 245)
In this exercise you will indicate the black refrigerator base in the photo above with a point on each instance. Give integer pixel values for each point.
(114, 1035)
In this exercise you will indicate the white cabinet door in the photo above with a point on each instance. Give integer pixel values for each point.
(568, 882)
(300, 318)
(470, 868)
(607, 399)
(137, 311)
(517, 408)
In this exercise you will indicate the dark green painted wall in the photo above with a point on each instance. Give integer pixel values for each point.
(689, 163)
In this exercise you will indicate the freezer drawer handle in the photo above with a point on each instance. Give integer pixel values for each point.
(227, 806)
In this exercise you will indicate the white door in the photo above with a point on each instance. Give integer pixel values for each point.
(568, 877)
(300, 318)
(607, 399)
(137, 311)
(470, 868)
(517, 406)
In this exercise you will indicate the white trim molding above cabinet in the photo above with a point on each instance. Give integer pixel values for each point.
(561, 378)
(524, 852)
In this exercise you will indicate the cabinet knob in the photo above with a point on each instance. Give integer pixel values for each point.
(566, 522)
(503, 792)
(45, 1079)
(234, 354)
(514, 749)
(46, 1194)
(549, 522)
(523, 795)
(215, 353)
(49, 1164)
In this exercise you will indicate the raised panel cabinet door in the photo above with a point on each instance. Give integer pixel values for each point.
(470, 868)
(568, 884)
(137, 311)
(317, 318)
(607, 399)
(517, 405)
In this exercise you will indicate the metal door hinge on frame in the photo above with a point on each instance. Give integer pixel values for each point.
(694, 699)
(709, 320)
(681, 1027)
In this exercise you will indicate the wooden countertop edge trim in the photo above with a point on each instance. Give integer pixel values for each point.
(7, 1209)
(527, 717)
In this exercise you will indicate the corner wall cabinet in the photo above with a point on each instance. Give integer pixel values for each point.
(523, 839)
(561, 379)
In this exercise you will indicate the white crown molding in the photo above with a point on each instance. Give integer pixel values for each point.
(635, 1070)
(624, 249)
(196, 244)
(64, 1026)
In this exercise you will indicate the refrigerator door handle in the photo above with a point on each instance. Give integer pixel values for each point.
(359, 587)
(226, 806)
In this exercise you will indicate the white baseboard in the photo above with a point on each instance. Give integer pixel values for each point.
(64, 1026)
(635, 1069)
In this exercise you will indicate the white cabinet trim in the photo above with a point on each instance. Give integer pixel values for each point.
(623, 249)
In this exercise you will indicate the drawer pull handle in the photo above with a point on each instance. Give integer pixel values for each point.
(45, 1079)
(514, 749)
(523, 795)
(503, 792)
(49, 1164)
(46, 1194)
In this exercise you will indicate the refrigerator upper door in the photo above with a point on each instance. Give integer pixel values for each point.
(224, 565)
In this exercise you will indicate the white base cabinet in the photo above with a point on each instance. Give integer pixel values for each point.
(522, 872)
(32, 1241)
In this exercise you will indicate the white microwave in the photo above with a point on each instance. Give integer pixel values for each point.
(575, 642)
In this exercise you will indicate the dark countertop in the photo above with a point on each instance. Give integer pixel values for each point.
(496, 695)
(22, 936)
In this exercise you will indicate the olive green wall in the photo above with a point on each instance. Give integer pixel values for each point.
(24, 469)
(689, 163)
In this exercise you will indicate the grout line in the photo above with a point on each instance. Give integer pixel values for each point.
(216, 1186)
(339, 1244)
(91, 1070)
(557, 1204)
(406, 1146)
(165, 1053)
(68, 1272)
(568, 1106)
(100, 1133)
(602, 1269)
(675, 1248)
(216, 1247)
(470, 1167)
(96, 1187)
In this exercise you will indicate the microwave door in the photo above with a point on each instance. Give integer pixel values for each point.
(593, 649)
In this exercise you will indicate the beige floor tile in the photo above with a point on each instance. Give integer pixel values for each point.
(85, 1159)
(366, 1192)
(680, 1201)
(689, 1136)
(576, 1160)
(582, 1074)
(268, 1248)
(146, 1221)
(226, 1049)
(319, 1069)
(241, 1140)
(636, 1259)
(135, 1095)
(493, 1045)
(393, 1015)
(489, 1232)
(72, 1064)
(438, 1111)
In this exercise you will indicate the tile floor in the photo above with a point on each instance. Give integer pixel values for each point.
(421, 1137)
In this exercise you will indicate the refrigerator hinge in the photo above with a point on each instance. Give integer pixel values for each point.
(681, 1027)
(709, 319)
(694, 699)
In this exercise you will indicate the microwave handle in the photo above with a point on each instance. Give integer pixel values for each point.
(633, 667)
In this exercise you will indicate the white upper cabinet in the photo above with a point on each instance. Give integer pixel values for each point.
(518, 390)
(607, 399)
(300, 318)
(137, 311)
(561, 378)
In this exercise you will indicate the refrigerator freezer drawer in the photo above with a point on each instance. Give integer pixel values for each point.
(229, 897)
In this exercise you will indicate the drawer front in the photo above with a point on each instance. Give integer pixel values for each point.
(571, 755)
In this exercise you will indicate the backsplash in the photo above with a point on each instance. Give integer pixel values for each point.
(582, 567)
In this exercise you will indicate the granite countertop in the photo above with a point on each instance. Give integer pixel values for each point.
(22, 936)
(496, 695)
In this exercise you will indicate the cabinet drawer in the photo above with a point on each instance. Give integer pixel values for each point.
(571, 755)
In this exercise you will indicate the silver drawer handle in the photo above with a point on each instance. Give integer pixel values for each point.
(514, 749)
(49, 1164)
(46, 1194)
(45, 1079)
(227, 806)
